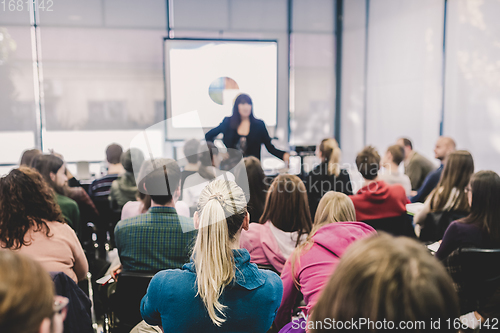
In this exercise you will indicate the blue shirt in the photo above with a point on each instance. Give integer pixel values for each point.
(429, 184)
(252, 299)
(159, 239)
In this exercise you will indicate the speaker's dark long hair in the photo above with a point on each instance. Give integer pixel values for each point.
(235, 119)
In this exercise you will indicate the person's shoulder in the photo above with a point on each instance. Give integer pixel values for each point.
(273, 285)
(134, 221)
(173, 281)
(59, 228)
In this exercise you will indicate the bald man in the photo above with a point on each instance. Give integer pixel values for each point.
(444, 147)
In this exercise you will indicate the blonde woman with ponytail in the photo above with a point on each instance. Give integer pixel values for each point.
(327, 176)
(314, 261)
(219, 290)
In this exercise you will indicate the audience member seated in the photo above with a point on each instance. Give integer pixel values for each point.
(124, 188)
(390, 174)
(191, 153)
(417, 167)
(207, 171)
(314, 261)
(159, 239)
(219, 290)
(28, 156)
(284, 225)
(257, 186)
(27, 301)
(481, 228)
(100, 188)
(74, 190)
(376, 199)
(382, 280)
(450, 194)
(327, 176)
(444, 147)
(143, 203)
(31, 223)
(53, 170)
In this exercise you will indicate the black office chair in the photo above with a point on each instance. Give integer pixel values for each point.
(125, 302)
(476, 273)
(435, 224)
(397, 226)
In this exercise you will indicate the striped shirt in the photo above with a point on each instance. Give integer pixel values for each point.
(100, 188)
(157, 240)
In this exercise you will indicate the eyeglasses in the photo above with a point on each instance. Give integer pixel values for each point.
(60, 304)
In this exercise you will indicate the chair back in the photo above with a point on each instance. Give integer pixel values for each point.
(397, 226)
(126, 300)
(476, 273)
(436, 223)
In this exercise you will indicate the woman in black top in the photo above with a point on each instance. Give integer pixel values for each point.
(327, 176)
(244, 132)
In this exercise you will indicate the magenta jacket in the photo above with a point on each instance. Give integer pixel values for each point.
(314, 267)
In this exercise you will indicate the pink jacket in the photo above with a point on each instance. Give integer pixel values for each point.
(314, 267)
(262, 246)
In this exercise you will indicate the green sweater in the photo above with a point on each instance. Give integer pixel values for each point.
(70, 211)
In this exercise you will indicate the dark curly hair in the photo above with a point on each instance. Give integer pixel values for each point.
(26, 201)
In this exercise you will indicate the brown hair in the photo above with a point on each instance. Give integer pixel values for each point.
(333, 207)
(26, 202)
(330, 151)
(485, 210)
(113, 153)
(28, 156)
(456, 174)
(398, 153)
(368, 163)
(407, 142)
(383, 278)
(153, 176)
(26, 295)
(206, 152)
(287, 206)
(47, 164)
(256, 185)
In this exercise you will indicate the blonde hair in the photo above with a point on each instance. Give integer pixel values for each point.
(222, 207)
(26, 293)
(330, 151)
(333, 207)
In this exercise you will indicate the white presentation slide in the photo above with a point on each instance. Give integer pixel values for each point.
(205, 76)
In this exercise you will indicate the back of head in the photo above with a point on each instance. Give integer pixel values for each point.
(456, 175)
(28, 156)
(26, 294)
(398, 153)
(287, 206)
(206, 153)
(334, 207)
(368, 163)
(113, 153)
(221, 212)
(132, 157)
(45, 164)
(485, 210)
(159, 178)
(256, 182)
(25, 200)
(191, 150)
(407, 143)
(330, 151)
(382, 279)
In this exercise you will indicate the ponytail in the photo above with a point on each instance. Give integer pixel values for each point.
(221, 209)
(331, 153)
